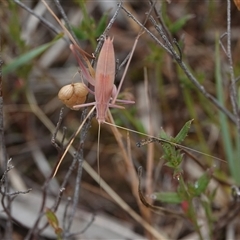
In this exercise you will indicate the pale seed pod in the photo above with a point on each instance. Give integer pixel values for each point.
(73, 94)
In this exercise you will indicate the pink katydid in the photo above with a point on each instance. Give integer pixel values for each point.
(104, 89)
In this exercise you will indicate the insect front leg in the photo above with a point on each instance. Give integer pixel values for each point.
(114, 93)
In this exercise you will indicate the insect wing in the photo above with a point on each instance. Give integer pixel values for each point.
(104, 78)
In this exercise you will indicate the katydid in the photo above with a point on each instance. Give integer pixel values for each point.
(102, 80)
(104, 89)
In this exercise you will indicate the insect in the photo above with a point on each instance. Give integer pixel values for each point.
(105, 91)
(102, 80)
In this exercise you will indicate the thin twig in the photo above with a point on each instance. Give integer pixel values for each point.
(6, 185)
(8, 212)
(34, 231)
(80, 160)
(220, 41)
(105, 32)
(85, 228)
(55, 207)
(190, 75)
(150, 150)
(199, 162)
(83, 135)
(146, 30)
(8, 168)
(59, 6)
(3, 153)
(65, 214)
(42, 20)
(233, 89)
(7, 206)
(54, 143)
(132, 173)
(170, 49)
(79, 157)
(55, 170)
(144, 212)
(159, 16)
(178, 47)
(19, 192)
(155, 209)
(126, 60)
(232, 211)
(50, 126)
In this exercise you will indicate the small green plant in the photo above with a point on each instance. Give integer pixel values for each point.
(89, 29)
(53, 221)
(172, 155)
(28, 56)
(187, 192)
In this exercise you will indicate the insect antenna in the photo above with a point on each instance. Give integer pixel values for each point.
(55, 170)
(156, 139)
(98, 152)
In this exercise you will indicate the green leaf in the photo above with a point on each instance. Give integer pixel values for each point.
(210, 217)
(201, 184)
(168, 197)
(164, 135)
(53, 221)
(29, 56)
(52, 218)
(14, 26)
(169, 164)
(80, 34)
(212, 195)
(168, 150)
(101, 25)
(183, 132)
(178, 25)
(171, 154)
(233, 160)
